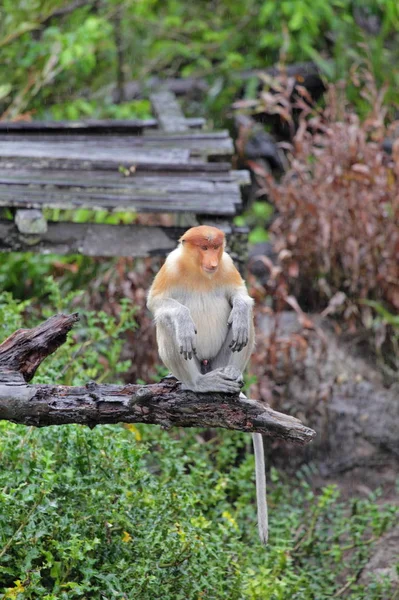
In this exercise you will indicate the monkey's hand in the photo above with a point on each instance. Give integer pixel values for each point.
(239, 321)
(185, 334)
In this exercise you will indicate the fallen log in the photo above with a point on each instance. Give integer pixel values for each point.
(163, 403)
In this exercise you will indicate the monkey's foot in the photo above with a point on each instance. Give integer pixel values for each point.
(227, 380)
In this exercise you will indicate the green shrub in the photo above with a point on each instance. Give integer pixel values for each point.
(136, 512)
(53, 65)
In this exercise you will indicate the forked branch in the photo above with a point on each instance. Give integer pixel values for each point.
(163, 403)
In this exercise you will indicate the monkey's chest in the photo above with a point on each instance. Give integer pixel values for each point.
(209, 313)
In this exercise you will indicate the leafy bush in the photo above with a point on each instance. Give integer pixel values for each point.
(121, 512)
(126, 512)
(53, 61)
(93, 349)
(338, 209)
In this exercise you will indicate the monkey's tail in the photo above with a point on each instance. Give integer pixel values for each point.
(261, 487)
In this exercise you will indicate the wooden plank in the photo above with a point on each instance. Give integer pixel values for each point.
(186, 191)
(75, 151)
(169, 136)
(242, 178)
(133, 149)
(11, 163)
(86, 125)
(94, 239)
(166, 138)
(217, 203)
(90, 126)
(172, 181)
(191, 86)
(128, 186)
(168, 111)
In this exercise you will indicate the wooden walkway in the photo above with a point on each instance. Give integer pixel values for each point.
(117, 166)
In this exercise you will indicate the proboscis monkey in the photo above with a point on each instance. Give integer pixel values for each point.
(204, 325)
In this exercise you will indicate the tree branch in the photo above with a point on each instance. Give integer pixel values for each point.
(164, 403)
(25, 349)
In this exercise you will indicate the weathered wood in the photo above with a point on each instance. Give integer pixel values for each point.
(25, 349)
(185, 137)
(26, 175)
(149, 138)
(10, 163)
(192, 197)
(90, 126)
(92, 239)
(103, 165)
(188, 187)
(164, 403)
(132, 190)
(200, 204)
(88, 151)
(134, 89)
(135, 149)
(241, 177)
(168, 111)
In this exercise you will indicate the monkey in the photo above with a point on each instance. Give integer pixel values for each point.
(204, 326)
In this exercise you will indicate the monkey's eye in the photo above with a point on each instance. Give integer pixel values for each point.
(204, 247)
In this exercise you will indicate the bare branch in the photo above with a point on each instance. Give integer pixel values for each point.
(25, 349)
(164, 403)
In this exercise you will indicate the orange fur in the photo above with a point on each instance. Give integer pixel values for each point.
(187, 270)
(204, 234)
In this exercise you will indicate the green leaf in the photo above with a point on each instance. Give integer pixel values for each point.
(5, 89)
(296, 21)
(268, 8)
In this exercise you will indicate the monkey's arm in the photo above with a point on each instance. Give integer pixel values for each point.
(176, 346)
(174, 315)
(240, 318)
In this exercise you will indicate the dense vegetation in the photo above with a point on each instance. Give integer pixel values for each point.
(124, 512)
(57, 62)
(135, 512)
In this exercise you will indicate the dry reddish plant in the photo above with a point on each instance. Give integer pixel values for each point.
(338, 206)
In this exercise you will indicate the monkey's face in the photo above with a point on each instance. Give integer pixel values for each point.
(209, 257)
(204, 246)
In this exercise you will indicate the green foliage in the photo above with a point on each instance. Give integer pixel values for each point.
(126, 511)
(386, 316)
(121, 512)
(32, 63)
(80, 108)
(92, 351)
(257, 218)
(384, 326)
(11, 314)
(47, 59)
(23, 273)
